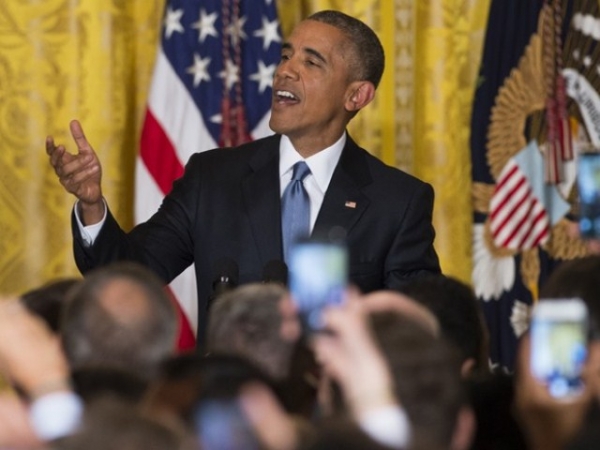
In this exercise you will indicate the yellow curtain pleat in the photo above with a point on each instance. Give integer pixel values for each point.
(65, 59)
(60, 60)
(449, 39)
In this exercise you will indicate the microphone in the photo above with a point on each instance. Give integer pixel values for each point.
(275, 271)
(225, 277)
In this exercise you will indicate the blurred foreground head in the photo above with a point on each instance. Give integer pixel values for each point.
(428, 382)
(247, 322)
(457, 310)
(119, 316)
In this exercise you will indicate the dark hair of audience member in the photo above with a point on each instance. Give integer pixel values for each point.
(426, 372)
(342, 434)
(119, 316)
(48, 300)
(492, 400)
(187, 380)
(459, 314)
(577, 278)
(109, 424)
(91, 383)
(246, 321)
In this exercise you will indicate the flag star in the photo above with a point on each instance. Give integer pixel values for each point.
(264, 76)
(172, 21)
(236, 30)
(217, 118)
(206, 25)
(269, 32)
(230, 74)
(199, 69)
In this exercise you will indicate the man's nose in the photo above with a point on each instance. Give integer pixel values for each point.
(287, 69)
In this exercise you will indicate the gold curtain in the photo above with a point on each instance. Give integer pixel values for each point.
(449, 41)
(60, 60)
(65, 59)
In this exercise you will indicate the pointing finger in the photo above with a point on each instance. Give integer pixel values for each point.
(79, 136)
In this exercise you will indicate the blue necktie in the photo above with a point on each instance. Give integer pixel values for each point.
(295, 209)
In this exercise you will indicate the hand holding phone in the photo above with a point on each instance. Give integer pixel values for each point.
(559, 345)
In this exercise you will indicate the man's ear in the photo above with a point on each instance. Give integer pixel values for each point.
(360, 94)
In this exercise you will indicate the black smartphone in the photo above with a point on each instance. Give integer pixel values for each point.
(588, 184)
(318, 277)
(559, 330)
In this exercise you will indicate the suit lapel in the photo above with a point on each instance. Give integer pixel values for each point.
(344, 202)
(260, 190)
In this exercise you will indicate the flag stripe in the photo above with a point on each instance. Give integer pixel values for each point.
(158, 154)
(505, 213)
(518, 219)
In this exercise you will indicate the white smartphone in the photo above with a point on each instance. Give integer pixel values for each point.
(318, 277)
(559, 330)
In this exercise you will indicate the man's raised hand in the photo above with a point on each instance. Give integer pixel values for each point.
(79, 173)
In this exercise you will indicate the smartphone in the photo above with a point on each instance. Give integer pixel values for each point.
(588, 184)
(220, 424)
(318, 277)
(559, 330)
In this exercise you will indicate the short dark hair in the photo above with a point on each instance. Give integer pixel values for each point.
(426, 372)
(47, 301)
(457, 309)
(369, 60)
(94, 335)
(109, 424)
(577, 278)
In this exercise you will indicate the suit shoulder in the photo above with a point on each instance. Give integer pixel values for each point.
(228, 155)
(384, 174)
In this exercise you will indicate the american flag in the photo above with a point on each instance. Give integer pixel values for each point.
(211, 87)
(518, 219)
(524, 207)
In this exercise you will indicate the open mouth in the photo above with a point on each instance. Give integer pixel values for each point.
(285, 97)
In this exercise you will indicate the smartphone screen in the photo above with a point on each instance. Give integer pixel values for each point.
(318, 277)
(588, 183)
(221, 425)
(559, 345)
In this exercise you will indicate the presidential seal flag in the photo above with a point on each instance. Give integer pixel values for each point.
(211, 87)
(535, 109)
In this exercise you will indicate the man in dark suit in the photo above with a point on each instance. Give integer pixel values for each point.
(228, 202)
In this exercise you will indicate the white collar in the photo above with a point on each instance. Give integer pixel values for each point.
(321, 164)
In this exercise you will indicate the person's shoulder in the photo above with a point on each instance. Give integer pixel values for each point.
(385, 174)
(234, 155)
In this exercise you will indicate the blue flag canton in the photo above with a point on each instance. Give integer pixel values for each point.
(217, 52)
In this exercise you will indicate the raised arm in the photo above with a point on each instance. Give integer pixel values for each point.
(80, 174)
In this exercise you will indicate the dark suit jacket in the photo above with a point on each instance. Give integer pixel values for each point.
(227, 204)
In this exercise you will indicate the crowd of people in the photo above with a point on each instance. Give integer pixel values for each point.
(93, 362)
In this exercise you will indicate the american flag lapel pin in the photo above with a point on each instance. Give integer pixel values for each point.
(350, 204)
